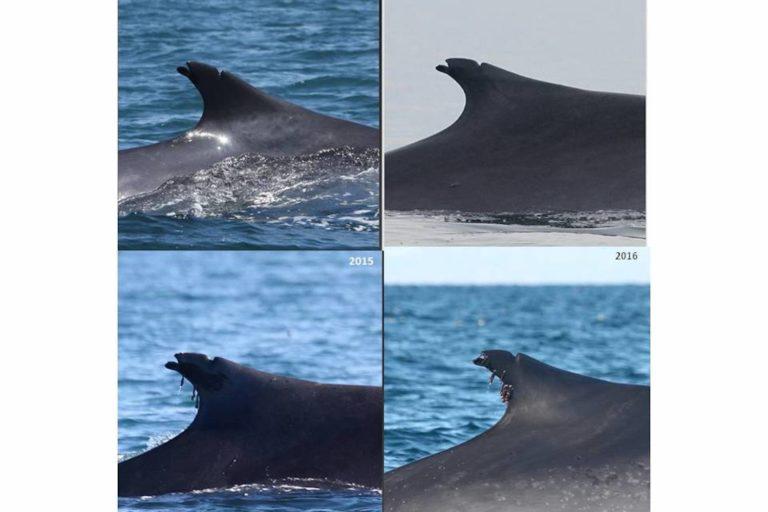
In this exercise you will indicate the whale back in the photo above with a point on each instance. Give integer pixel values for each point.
(524, 145)
(254, 427)
(255, 400)
(237, 119)
(564, 439)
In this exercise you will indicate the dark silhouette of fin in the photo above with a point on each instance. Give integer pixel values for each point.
(487, 86)
(226, 96)
(542, 390)
(237, 119)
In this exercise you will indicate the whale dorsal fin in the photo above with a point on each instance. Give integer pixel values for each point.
(490, 88)
(484, 83)
(542, 391)
(226, 96)
(474, 77)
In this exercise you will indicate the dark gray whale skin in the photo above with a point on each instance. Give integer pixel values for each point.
(522, 145)
(256, 427)
(566, 442)
(237, 119)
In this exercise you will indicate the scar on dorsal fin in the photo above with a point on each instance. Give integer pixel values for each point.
(226, 95)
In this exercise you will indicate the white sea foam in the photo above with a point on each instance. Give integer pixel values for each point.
(578, 229)
(338, 185)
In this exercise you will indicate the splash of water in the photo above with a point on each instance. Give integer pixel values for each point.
(338, 183)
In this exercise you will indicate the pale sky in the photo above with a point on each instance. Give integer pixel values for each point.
(591, 44)
(517, 265)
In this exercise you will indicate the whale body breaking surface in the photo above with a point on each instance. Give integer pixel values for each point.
(254, 427)
(238, 119)
(565, 442)
(523, 145)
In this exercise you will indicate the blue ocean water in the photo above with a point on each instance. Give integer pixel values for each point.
(321, 54)
(436, 398)
(306, 314)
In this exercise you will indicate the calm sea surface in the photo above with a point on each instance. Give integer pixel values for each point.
(308, 315)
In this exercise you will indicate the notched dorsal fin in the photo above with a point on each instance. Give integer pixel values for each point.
(467, 74)
(479, 80)
(225, 95)
(544, 390)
